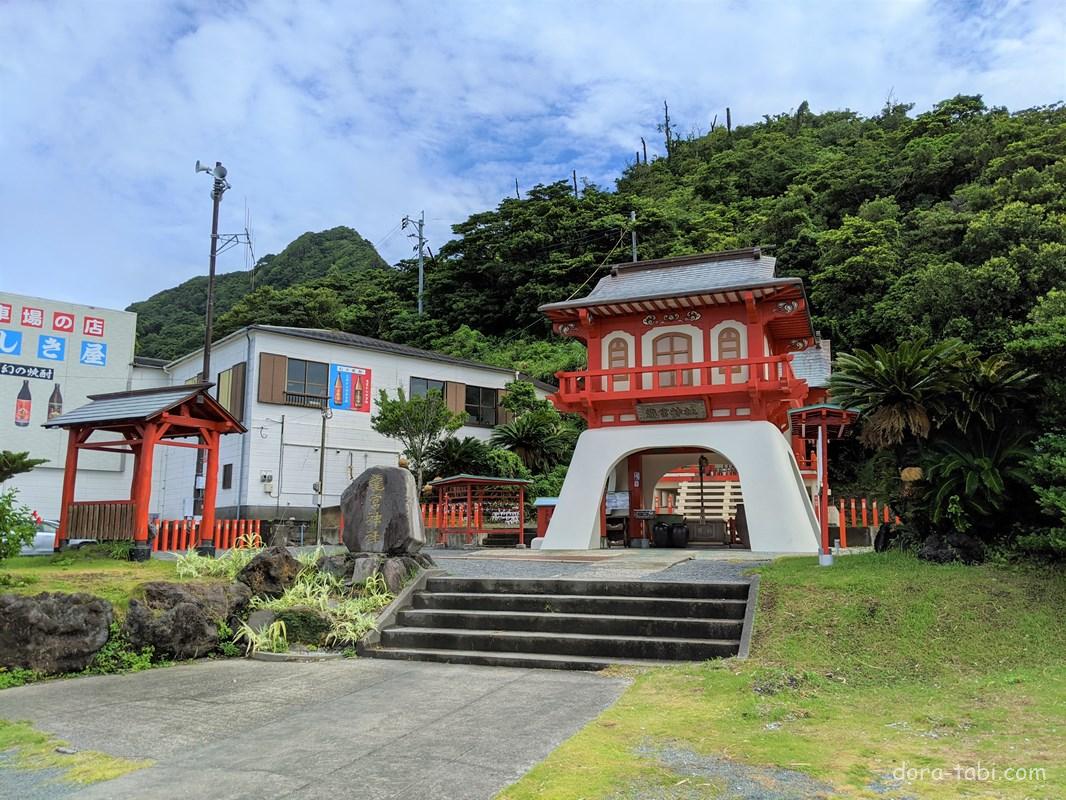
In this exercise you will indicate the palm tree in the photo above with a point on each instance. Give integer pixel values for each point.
(454, 456)
(991, 386)
(900, 394)
(538, 440)
(971, 476)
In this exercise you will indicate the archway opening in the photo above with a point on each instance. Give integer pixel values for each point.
(651, 493)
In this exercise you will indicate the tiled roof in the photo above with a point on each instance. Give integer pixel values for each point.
(141, 404)
(367, 343)
(686, 275)
(814, 364)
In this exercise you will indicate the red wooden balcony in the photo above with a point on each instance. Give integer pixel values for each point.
(767, 377)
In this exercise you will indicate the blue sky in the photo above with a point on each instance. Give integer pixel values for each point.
(346, 113)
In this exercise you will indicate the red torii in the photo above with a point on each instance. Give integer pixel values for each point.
(143, 418)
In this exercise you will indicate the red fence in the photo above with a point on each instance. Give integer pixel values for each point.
(181, 534)
(862, 512)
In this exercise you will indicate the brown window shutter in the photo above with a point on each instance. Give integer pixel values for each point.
(455, 396)
(237, 390)
(272, 371)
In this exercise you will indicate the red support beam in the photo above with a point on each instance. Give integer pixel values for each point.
(522, 515)
(142, 484)
(207, 522)
(70, 477)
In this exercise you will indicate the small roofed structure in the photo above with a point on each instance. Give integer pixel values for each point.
(478, 508)
(141, 419)
(816, 425)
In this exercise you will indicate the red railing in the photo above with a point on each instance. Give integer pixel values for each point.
(678, 380)
(864, 512)
(181, 534)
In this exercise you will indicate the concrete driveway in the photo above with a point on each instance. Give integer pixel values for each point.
(352, 728)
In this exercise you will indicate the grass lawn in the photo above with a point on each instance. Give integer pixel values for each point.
(32, 749)
(879, 663)
(85, 570)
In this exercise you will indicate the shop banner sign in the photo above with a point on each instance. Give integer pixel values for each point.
(349, 388)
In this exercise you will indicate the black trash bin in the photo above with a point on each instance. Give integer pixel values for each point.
(679, 535)
(661, 534)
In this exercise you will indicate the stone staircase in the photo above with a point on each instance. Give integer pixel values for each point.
(567, 624)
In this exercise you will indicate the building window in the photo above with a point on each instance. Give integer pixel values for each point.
(729, 347)
(481, 405)
(305, 380)
(420, 387)
(229, 390)
(618, 358)
(673, 348)
(227, 476)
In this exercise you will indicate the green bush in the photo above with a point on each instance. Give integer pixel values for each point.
(119, 656)
(17, 525)
(17, 677)
(1044, 545)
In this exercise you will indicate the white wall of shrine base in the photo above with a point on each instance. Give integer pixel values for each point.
(779, 511)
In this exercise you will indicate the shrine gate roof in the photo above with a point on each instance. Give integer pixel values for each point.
(141, 405)
(718, 275)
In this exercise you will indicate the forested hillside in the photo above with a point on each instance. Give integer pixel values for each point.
(171, 323)
(948, 223)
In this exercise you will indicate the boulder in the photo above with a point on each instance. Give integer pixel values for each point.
(220, 602)
(339, 566)
(305, 625)
(52, 632)
(182, 631)
(261, 618)
(381, 513)
(362, 569)
(270, 573)
(394, 571)
(952, 547)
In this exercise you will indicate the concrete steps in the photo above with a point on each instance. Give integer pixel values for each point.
(567, 624)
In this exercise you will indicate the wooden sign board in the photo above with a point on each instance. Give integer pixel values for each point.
(669, 412)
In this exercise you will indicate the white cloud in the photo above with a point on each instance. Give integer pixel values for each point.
(330, 113)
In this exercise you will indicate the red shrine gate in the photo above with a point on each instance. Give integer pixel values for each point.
(142, 419)
(698, 354)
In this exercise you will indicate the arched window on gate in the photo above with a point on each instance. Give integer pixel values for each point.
(673, 348)
(729, 348)
(618, 358)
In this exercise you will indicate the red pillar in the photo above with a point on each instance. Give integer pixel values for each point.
(207, 521)
(70, 477)
(521, 515)
(142, 483)
(823, 499)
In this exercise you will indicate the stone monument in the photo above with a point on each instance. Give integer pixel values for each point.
(382, 528)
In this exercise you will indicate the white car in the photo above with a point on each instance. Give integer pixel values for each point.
(44, 541)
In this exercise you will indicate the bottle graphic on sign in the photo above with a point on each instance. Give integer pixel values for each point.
(357, 392)
(338, 391)
(23, 403)
(55, 403)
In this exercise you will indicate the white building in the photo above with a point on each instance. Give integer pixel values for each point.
(273, 379)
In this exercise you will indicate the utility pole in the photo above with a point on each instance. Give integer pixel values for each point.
(420, 225)
(326, 414)
(217, 190)
(575, 183)
(644, 146)
(517, 194)
(633, 232)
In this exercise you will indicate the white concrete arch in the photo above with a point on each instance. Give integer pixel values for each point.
(779, 512)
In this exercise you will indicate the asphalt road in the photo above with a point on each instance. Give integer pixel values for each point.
(364, 728)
